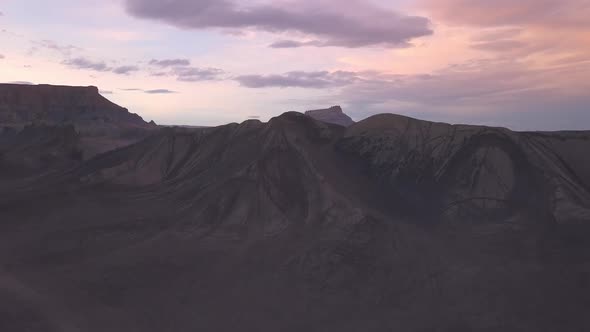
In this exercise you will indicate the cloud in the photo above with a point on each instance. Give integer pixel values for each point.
(106, 92)
(503, 92)
(181, 69)
(151, 92)
(194, 74)
(65, 50)
(124, 70)
(170, 62)
(356, 24)
(499, 45)
(83, 63)
(79, 62)
(569, 13)
(299, 79)
(159, 91)
(2, 57)
(294, 44)
(100, 66)
(543, 29)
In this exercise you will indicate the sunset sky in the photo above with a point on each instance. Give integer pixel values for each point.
(520, 64)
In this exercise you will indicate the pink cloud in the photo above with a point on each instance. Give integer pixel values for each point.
(562, 13)
(540, 29)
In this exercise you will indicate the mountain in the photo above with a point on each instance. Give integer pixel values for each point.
(389, 224)
(470, 170)
(333, 115)
(101, 124)
(459, 172)
(83, 107)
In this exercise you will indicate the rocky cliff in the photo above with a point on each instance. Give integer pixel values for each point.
(83, 107)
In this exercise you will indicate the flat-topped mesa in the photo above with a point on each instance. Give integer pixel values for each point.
(101, 124)
(333, 115)
(83, 107)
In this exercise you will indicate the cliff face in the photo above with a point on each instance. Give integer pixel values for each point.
(333, 115)
(102, 125)
(83, 107)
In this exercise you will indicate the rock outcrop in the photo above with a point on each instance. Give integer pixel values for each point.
(333, 115)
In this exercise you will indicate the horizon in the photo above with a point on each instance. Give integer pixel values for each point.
(203, 63)
(303, 112)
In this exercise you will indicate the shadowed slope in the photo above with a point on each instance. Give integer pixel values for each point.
(472, 172)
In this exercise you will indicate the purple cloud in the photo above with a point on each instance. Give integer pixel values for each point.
(159, 91)
(194, 74)
(170, 63)
(571, 13)
(152, 92)
(299, 79)
(100, 66)
(295, 44)
(357, 24)
(83, 63)
(65, 50)
(2, 56)
(124, 70)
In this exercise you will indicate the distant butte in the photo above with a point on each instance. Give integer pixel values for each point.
(333, 115)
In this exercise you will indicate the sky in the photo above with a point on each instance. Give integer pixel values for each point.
(518, 64)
